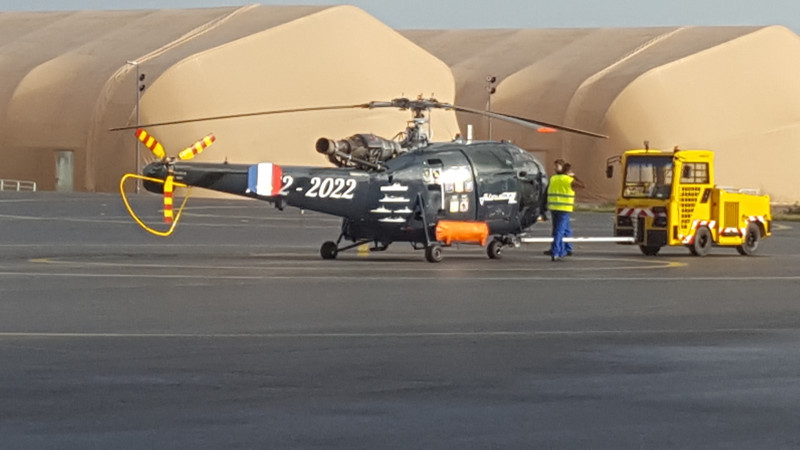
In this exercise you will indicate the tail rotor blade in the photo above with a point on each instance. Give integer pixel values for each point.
(195, 149)
(151, 143)
(169, 187)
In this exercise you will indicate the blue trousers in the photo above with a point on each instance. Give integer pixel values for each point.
(561, 229)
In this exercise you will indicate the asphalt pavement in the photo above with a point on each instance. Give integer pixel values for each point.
(234, 333)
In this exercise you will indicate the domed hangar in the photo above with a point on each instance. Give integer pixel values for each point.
(727, 89)
(71, 76)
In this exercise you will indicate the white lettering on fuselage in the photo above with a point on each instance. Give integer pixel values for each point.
(510, 197)
(335, 188)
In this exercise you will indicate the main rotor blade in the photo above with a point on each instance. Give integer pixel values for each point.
(402, 103)
(524, 121)
(236, 116)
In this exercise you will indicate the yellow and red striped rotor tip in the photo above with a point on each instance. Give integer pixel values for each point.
(168, 189)
(151, 143)
(195, 149)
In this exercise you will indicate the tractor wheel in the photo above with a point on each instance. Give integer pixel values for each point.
(702, 242)
(751, 237)
(650, 250)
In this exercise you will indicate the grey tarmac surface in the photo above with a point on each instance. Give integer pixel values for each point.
(233, 333)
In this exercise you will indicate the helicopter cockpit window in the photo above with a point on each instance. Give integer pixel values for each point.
(494, 160)
(525, 162)
(434, 162)
(648, 177)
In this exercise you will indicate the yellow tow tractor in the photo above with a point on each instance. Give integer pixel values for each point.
(669, 198)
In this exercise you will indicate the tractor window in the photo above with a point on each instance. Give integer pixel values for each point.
(648, 177)
(694, 173)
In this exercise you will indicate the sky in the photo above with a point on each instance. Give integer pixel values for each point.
(452, 14)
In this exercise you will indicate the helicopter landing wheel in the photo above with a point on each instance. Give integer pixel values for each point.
(495, 249)
(433, 253)
(329, 250)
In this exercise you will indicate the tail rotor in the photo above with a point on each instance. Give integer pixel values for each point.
(168, 182)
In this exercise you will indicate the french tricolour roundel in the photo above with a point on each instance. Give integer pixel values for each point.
(265, 179)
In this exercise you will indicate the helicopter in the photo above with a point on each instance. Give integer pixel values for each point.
(407, 189)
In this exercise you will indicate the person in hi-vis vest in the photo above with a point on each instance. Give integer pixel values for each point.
(561, 202)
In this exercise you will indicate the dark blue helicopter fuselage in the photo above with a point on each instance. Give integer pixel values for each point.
(496, 183)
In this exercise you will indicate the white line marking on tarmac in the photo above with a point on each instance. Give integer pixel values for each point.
(21, 200)
(393, 277)
(434, 334)
(134, 275)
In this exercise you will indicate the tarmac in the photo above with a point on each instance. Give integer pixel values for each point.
(234, 333)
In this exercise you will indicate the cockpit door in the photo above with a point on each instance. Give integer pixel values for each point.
(531, 186)
(497, 186)
(451, 184)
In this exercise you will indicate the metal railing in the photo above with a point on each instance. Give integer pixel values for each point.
(17, 185)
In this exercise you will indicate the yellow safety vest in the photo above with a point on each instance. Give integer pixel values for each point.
(560, 195)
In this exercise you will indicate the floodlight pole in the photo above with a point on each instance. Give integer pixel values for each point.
(491, 89)
(138, 143)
